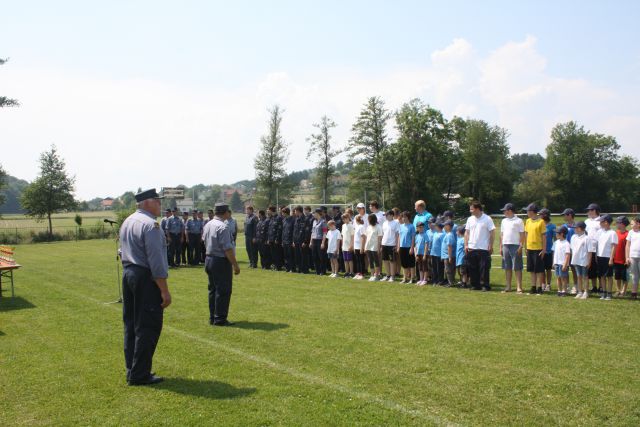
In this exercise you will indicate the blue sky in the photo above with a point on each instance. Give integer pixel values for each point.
(118, 85)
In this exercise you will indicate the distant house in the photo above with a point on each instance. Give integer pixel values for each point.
(305, 184)
(106, 204)
(228, 193)
(339, 180)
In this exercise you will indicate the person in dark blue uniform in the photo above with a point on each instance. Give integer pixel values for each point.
(184, 247)
(275, 238)
(145, 292)
(163, 227)
(300, 241)
(287, 240)
(308, 217)
(220, 265)
(250, 224)
(262, 229)
(174, 228)
(193, 230)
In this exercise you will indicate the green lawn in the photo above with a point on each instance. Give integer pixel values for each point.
(311, 351)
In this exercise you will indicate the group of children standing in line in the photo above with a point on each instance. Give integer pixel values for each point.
(591, 250)
(427, 249)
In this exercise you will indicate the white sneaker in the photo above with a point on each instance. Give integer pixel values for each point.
(585, 295)
(390, 279)
(377, 278)
(372, 278)
(578, 295)
(574, 291)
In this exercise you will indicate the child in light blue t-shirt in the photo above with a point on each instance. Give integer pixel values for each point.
(421, 246)
(437, 265)
(448, 253)
(460, 257)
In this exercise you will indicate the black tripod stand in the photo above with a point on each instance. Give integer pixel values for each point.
(118, 276)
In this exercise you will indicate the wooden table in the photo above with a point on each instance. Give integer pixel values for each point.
(6, 270)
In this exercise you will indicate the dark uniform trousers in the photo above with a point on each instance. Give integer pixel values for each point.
(142, 314)
(478, 266)
(252, 251)
(289, 257)
(193, 255)
(220, 282)
(276, 255)
(301, 258)
(184, 250)
(318, 255)
(174, 249)
(265, 255)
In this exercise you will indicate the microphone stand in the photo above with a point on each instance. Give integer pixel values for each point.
(118, 277)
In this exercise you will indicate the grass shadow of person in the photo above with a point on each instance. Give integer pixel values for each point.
(209, 389)
(14, 303)
(259, 326)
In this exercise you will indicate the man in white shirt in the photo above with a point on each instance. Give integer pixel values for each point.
(511, 244)
(478, 244)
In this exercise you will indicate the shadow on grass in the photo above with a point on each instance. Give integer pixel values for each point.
(260, 326)
(1, 333)
(15, 303)
(204, 388)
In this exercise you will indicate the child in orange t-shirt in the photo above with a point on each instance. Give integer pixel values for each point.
(619, 259)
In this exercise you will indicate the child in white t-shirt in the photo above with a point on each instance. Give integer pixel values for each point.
(331, 242)
(581, 258)
(605, 252)
(347, 245)
(371, 243)
(632, 255)
(561, 260)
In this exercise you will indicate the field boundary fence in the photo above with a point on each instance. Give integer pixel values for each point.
(40, 234)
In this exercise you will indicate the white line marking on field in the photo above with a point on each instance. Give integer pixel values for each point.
(311, 379)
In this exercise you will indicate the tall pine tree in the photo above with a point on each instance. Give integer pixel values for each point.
(269, 164)
(321, 150)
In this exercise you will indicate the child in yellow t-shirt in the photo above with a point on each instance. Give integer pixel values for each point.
(535, 243)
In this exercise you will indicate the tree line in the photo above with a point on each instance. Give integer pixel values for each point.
(449, 161)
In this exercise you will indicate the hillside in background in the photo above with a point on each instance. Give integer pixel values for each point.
(13, 191)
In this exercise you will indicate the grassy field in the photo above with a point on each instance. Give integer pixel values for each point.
(311, 351)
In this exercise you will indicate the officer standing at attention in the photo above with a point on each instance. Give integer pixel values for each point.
(218, 265)
(250, 225)
(174, 228)
(193, 229)
(185, 240)
(145, 293)
(163, 227)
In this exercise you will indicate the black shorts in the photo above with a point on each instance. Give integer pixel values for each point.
(407, 260)
(548, 261)
(373, 259)
(388, 253)
(593, 270)
(535, 264)
(604, 269)
(620, 271)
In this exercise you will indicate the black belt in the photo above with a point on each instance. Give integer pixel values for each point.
(215, 256)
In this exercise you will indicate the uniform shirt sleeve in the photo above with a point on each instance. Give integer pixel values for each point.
(156, 252)
(224, 237)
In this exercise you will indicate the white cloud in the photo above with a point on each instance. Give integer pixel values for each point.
(117, 135)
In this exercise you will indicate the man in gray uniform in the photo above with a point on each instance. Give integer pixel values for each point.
(218, 265)
(193, 229)
(174, 228)
(145, 293)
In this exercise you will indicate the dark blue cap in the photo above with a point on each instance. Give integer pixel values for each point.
(448, 222)
(147, 194)
(568, 211)
(448, 214)
(532, 207)
(622, 220)
(508, 207)
(605, 218)
(580, 224)
(562, 230)
(420, 224)
(544, 211)
(593, 206)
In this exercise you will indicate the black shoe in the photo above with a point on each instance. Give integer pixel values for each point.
(151, 379)
(223, 323)
(486, 288)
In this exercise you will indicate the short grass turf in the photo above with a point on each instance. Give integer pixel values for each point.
(310, 351)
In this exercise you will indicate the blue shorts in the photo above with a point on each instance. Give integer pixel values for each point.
(510, 258)
(581, 270)
(559, 272)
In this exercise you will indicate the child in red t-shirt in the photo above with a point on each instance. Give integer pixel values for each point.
(619, 259)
